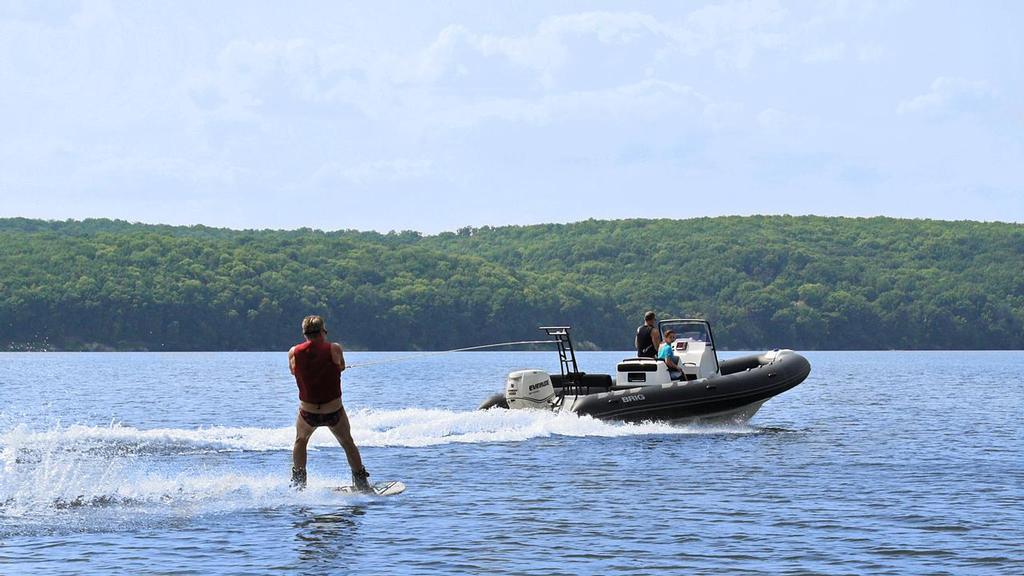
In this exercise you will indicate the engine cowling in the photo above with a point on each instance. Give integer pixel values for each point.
(529, 389)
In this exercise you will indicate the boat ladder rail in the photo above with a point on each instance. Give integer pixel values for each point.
(571, 378)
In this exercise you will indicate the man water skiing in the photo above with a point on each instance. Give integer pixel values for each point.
(317, 365)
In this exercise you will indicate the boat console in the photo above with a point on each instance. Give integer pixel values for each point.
(696, 358)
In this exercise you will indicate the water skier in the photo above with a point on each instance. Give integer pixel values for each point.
(317, 365)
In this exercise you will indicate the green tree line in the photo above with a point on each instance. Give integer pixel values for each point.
(763, 281)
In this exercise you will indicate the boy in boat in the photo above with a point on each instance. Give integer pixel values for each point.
(671, 360)
(317, 366)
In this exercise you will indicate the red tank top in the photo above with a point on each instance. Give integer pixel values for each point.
(318, 377)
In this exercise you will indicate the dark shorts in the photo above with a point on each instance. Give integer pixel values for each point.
(316, 420)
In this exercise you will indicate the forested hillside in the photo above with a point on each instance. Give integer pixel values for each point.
(778, 281)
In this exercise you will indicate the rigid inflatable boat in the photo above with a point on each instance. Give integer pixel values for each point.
(644, 388)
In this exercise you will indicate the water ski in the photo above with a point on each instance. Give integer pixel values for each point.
(385, 488)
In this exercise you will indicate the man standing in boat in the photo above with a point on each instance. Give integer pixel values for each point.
(647, 338)
(317, 366)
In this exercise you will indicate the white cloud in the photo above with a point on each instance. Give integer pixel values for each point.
(648, 98)
(949, 96)
(446, 86)
(571, 57)
(828, 53)
(248, 73)
(444, 102)
(392, 170)
(772, 119)
(735, 31)
(546, 51)
(870, 52)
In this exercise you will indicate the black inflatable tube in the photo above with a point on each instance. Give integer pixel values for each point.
(751, 379)
(494, 401)
(734, 365)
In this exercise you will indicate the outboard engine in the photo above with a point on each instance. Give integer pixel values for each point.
(529, 389)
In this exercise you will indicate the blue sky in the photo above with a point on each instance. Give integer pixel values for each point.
(431, 116)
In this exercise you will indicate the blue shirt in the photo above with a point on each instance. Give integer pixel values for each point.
(665, 352)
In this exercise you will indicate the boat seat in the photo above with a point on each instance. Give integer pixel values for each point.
(641, 372)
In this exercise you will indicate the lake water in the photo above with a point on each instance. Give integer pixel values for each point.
(879, 463)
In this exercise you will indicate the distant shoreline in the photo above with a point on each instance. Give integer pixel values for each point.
(764, 282)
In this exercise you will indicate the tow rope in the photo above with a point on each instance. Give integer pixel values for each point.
(425, 354)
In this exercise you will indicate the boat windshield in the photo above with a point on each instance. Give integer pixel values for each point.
(687, 330)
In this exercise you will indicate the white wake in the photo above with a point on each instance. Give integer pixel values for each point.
(50, 472)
